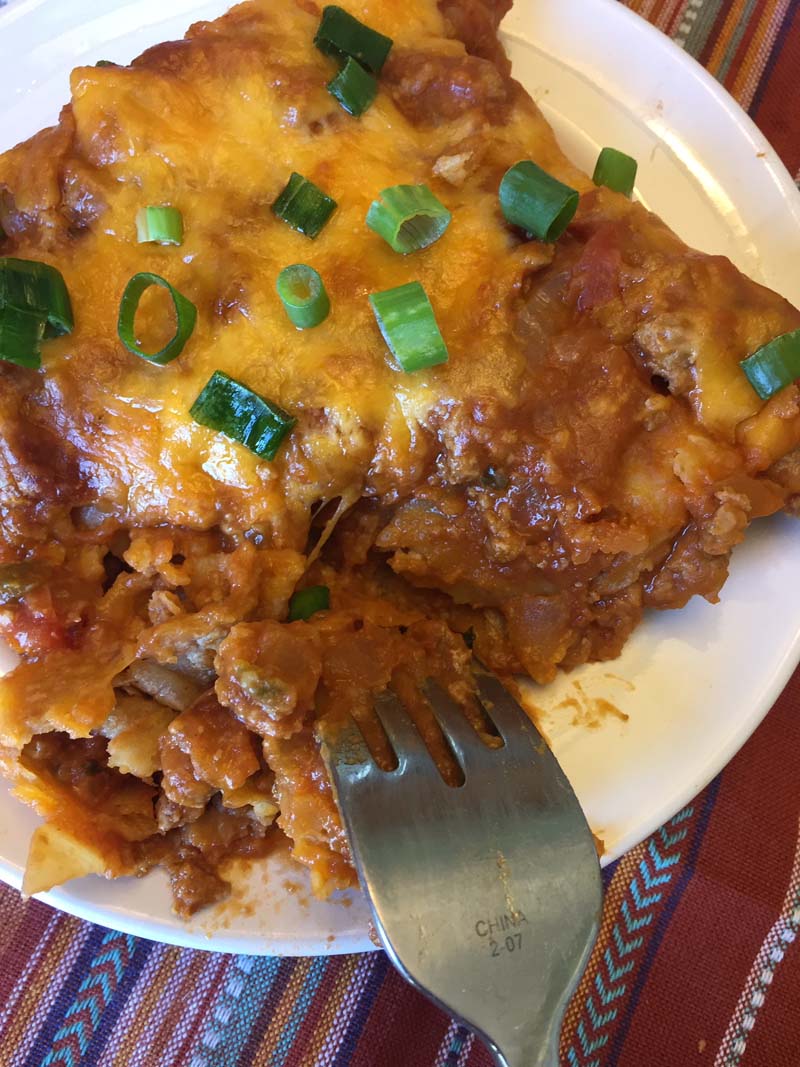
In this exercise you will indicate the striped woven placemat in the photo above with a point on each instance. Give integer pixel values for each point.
(696, 963)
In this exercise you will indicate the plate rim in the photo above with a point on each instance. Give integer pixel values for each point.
(732, 107)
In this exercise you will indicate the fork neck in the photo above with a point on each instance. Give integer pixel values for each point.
(529, 1049)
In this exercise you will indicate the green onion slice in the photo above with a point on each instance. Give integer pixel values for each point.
(185, 313)
(231, 408)
(17, 579)
(304, 296)
(21, 336)
(307, 602)
(616, 171)
(159, 225)
(354, 87)
(533, 199)
(38, 288)
(408, 325)
(341, 35)
(106, 63)
(775, 365)
(304, 206)
(408, 217)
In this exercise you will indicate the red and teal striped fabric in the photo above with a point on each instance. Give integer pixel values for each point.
(697, 963)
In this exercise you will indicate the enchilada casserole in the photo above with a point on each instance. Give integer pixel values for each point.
(482, 441)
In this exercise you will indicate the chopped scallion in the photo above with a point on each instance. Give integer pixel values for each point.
(17, 579)
(185, 314)
(533, 199)
(616, 171)
(304, 206)
(354, 87)
(307, 602)
(340, 34)
(38, 288)
(21, 335)
(159, 225)
(408, 324)
(231, 408)
(775, 365)
(408, 217)
(304, 296)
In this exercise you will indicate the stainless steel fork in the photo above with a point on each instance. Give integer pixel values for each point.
(486, 897)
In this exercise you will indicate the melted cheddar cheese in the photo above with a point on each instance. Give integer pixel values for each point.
(215, 126)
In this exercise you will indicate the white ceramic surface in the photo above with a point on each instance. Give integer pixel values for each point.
(694, 683)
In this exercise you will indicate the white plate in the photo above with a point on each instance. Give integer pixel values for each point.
(695, 683)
